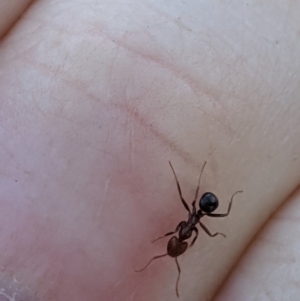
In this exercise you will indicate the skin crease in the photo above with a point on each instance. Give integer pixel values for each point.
(10, 11)
(96, 98)
(269, 270)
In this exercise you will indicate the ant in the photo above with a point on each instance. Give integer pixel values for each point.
(208, 203)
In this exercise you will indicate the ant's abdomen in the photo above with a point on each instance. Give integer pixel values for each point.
(176, 247)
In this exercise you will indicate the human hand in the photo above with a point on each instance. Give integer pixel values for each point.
(96, 97)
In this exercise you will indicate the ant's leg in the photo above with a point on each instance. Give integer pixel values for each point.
(194, 207)
(208, 232)
(193, 241)
(228, 210)
(170, 233)
(186, 206)
(155, 257)
(197, 189)
(178, 267)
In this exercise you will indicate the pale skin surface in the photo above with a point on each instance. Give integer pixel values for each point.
(269, 270)
(97, 96)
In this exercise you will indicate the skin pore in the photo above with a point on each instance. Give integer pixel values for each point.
(97, 97)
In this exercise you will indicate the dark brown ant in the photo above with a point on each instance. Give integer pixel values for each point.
(208, 203)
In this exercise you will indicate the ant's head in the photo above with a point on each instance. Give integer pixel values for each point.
(208, 202)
